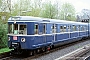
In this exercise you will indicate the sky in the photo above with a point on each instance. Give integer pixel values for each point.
(78, 4)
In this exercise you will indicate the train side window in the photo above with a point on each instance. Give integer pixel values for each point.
(64, 28)
(36, 28)
(79, 27)
(83, 28)
(74, 28)
(54, 28)
(86, 28)
(44, 28)
(68, 28)
(61, 28)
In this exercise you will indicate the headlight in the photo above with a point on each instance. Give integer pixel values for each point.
(8, 38)
(23, 40)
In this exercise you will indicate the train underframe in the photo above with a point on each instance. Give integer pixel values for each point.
(17, 48)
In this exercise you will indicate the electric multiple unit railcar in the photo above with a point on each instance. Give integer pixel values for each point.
(35, 33)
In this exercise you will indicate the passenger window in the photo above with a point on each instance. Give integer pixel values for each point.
(79, 28)
(54, 28)
(68, 28)
(64, 29)
(44, 28)
(83, 28)
(74, 28)
(61, 28)
(36, 28)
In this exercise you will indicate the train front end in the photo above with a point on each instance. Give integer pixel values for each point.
(17, 34)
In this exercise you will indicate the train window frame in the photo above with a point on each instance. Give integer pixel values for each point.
(36, 27)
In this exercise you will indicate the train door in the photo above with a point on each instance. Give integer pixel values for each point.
(44, 32)
(54, 32)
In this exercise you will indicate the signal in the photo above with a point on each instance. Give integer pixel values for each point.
(85, 20)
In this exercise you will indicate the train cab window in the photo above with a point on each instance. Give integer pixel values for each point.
(22, 29)
(15, 28)
(10, 29)
(36, 28)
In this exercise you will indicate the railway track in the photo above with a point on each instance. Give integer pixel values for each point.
(76, 55)
(6, 54)
(41, 54)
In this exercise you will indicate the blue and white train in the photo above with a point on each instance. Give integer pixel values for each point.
(27, 33)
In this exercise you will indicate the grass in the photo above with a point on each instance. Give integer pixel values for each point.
(4, 50)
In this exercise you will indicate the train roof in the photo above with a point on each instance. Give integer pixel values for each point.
(24, 18)
(39, 19)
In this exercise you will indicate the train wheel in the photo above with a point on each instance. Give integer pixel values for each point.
(43, 49)
(52, 47)
(38, 50)
(31, 53)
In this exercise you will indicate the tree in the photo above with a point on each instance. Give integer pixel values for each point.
(49, 11)
(67, 12)
(27, 7)
(3, 34)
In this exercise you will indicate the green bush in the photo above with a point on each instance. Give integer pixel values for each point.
(3, 34)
